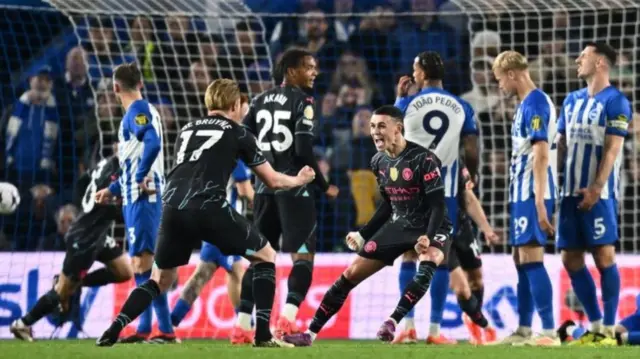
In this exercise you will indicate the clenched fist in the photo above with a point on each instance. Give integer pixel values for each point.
(354, 241)
(422, 245)
(307, 174)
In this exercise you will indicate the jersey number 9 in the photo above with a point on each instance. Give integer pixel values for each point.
(436, 123)
(268, 122)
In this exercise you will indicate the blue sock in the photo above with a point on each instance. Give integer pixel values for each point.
(610, 286)
(180, 311)
(439, 290)
(542, 292)
(585, 289)
(524, 298)
(161, 308)
(407, 272)
(634, 338)
(578, 332)
(144, 321)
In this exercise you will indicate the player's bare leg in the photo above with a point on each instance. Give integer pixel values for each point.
(234, 283)
(531, 259)
(408, 268)
(361, 269)
(64, 288)
(191, 290)
(429, 260)
(298, 284)
(473, 317)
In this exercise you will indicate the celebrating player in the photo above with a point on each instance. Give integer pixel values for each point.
(238, 189)
(142, 163)
(532, 190)
(195, 209)
(87, 241)
(283, 119)
(592, 127)
(434, 118)
(413, 214)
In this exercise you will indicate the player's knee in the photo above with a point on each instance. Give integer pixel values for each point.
(124, 274)
(409, 256)
(65, 287)
(530, 254)
(459, 283)
(432, 255)
(302, 257)
(572, 260)
(266, 254)
(604, 256)
(164, 278)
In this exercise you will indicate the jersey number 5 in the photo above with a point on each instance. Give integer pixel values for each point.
(213, 136)
(272, 123)
(436, 123)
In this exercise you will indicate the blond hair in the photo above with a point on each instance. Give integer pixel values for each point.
(510, 61)
(222, 95)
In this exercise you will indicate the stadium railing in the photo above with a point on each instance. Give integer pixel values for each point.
(182, 45)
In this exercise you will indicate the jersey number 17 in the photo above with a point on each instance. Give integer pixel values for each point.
(212, 137)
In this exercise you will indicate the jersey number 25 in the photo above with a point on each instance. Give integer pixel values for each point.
(269, 122)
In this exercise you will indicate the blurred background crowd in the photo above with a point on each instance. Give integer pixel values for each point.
(59, 114)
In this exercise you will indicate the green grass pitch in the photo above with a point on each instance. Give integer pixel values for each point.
(327, 349)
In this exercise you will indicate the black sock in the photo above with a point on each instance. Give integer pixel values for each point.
(472, 308)
(415, 290)
(139, 300)
(246, 292)
(99, 277)
(264, 289)
(299, 281)
(331, 303)
(45, 305)
(479, 294)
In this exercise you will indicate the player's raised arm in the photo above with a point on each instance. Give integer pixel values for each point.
(402, 91)
(618, 116)
(433, 187)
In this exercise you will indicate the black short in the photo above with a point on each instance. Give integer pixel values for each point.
(464, 254)
(81, 255)
(391, 241)
(292, 217)
(183, 230)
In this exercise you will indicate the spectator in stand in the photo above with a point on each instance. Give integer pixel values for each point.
(486, 43)
(318, 42)
(176, 54)
(32, 135)
(104, 52)
(259, 77)
(484, 95)
(64, 216)
(344, 23)
(192, 105)
(249, 51)
(554, 70)
(144, 46)
(364, 187)
(78, 124)
(374, 41)
(214, 57)
(352, 71)
(426, 32)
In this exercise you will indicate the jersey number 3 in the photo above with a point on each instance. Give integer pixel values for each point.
(273, 123)
(212, 136)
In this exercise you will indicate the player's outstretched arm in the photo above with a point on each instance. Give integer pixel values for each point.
(475, 211)
(277, 180)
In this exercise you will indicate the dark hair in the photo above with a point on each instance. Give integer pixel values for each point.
(291, 59)
(431, 63)
(391, 111)
(128, 76)
(604, 49)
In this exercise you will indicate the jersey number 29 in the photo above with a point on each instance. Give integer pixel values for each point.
(273, 123)
(212, 136)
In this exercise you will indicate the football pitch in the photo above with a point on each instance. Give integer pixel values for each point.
(327, 349)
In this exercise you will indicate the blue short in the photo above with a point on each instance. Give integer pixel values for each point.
(582, 230)
(142, 221)
(631, 323)
(211, 254)
(523, 227)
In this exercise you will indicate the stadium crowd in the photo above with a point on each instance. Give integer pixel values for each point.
(56, 126)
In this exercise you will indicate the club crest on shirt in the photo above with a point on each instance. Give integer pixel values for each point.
(536, 123)
(393, 173)
(407, 174)
(141, 120)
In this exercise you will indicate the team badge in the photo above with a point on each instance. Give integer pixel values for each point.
(407, 174)
(141, 120)
(393, 173)
(536, 123)
(308, 112)
(370, 247)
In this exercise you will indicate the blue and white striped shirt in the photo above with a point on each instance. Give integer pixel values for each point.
(585, 121)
